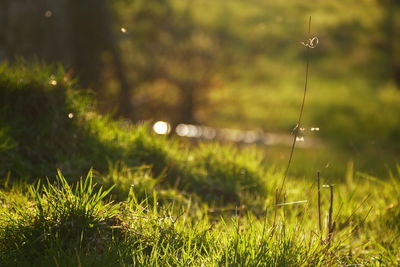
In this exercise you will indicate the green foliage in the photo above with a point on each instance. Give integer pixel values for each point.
(40, 120)
(363, 121)
(226, 171)
(225, 64)
(175, 212)
(72, 225)
(392, 216)
(273, 246)
(65, 132)
(138, 184)
(59, 221)
(59, 224)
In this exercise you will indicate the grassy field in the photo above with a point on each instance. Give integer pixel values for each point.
(249, 63)
(81, 189)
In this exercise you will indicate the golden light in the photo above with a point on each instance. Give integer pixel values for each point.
(182, 129)
(161, 127)
(52, 80)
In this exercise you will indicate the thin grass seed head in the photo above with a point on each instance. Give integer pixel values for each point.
(311, 43)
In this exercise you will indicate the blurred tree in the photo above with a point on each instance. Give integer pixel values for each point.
(3, 24)
(393, 32)
(391, 29)
(167, 48)
(92, 35)
(170, 52)
(72, 32)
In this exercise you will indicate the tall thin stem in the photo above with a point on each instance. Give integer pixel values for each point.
(319, 204)
(331, 223)
(298, 126)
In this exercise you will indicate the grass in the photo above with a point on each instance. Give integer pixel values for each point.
(66, 133)
(60, 221)
(71, 225)
(161, 202)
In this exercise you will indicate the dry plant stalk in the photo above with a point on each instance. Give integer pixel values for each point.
(331, 223)
(311, 43)
(319, 204)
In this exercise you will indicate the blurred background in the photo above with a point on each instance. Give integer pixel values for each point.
(237, 67)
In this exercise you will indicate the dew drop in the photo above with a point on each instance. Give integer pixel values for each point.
(48, 14)
(52, 80)
(327, 165)
(70, 115)
(123, 30)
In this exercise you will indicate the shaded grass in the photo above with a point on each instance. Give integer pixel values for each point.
(41, 115)
(47, 122)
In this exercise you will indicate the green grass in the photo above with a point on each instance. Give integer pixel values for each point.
(156, 201)
(39, 138)
(59, 221)
(71, 225)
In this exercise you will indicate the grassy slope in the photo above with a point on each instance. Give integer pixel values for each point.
(174, 205)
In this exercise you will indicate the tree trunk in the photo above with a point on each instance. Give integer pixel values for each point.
(3, 29)
(392, 32)
(126, 108)
(188, 103)
(396, 42)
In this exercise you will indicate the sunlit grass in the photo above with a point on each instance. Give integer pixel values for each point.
(160, 201)
(77, 224)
